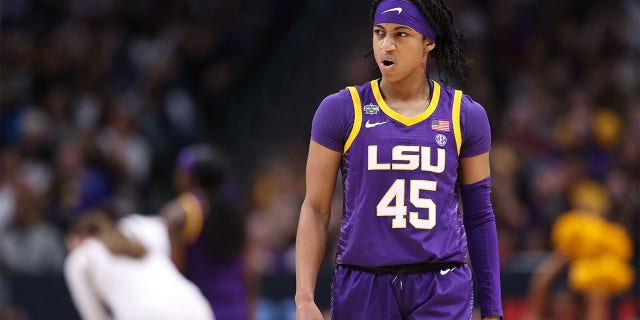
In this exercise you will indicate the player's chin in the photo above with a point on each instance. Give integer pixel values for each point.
(390, 75)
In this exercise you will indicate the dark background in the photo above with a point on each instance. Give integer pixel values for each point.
(117, 87)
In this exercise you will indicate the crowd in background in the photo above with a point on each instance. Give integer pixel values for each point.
(97, 97)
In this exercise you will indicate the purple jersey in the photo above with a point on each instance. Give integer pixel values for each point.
(400, 174)
(222, 282)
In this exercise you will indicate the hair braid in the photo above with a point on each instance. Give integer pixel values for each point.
(448, 50)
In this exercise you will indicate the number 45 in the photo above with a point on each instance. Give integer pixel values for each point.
(398, 210)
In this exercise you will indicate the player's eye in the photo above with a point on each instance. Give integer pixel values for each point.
(378, 32)
(402, 34)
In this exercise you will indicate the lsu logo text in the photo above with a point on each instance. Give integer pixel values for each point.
(408, 158)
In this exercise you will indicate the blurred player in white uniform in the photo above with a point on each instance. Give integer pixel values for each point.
(121, 269)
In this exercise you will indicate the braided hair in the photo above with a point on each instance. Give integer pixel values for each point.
(448, 50)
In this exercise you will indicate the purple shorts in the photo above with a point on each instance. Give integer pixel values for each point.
(440, 294)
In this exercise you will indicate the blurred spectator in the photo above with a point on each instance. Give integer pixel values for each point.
(125, 148)
(31, 256)
(8, 182)
(79, 80)
(277, 191)
(82, 180)
(31, 244)
(125, 152)
(547, 300)
(595, 255)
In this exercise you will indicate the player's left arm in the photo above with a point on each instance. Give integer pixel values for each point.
(482, 237)
(475, 191)
(474, 169)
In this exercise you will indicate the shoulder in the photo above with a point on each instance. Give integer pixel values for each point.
(151, 231)
(138, 224)
(335, 110)
(470, 105)
(344, 97)
(134, 222)
(336, 100)
(472, 111)
(334, 119)
(469, 108)
(476, 130)
(81, 256)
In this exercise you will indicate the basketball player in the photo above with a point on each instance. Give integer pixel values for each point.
(414, 156)
(119, 268)
(208, 233)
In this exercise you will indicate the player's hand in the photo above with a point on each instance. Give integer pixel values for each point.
(308, 311)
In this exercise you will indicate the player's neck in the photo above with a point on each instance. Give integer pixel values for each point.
(410, 88)
(409, 96)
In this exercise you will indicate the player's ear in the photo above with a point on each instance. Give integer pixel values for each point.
(429, 45)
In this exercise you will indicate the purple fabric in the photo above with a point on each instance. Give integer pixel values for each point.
(333, 121)
(476, 131)
(404, 13)
(186, 158)
(479, 223)
(95, 189)
(222, 283)
(368, 238)
(436, 295)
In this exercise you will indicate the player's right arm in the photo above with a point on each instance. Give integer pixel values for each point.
(331, 125)
(321, 173)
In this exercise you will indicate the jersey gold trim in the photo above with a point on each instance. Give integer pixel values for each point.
(357, 118)
(435, 97)
(457, 100)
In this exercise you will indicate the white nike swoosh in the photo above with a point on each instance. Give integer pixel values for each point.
(445, 271)
(371, 125)
(392, 9)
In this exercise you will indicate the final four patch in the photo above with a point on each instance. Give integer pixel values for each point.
(371, 109)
